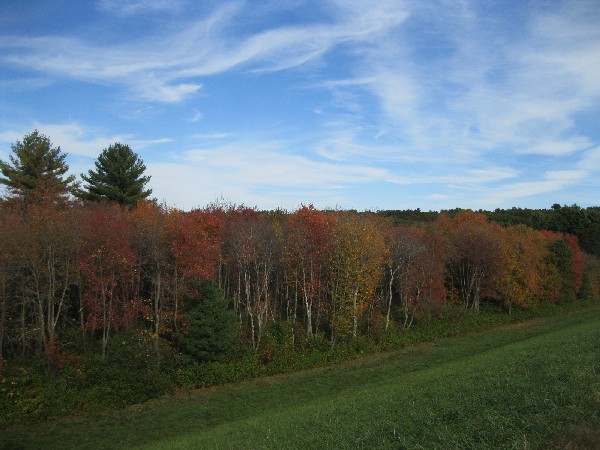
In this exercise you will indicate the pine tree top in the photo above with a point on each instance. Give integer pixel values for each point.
(118, 177)
(36, 169)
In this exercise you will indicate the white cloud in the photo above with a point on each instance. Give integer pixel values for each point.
(131, 7)
(159, 91)
(246, 170)
(138, 144)
(344, 144)
(264, 178)
(261, 164)
(78, 140)
(25, 84)
(484, 97)
(419, 95)
(11, 136)
(197, 117)
(549, 183)
(565, 176)
(72, 138)
(590, 160)
(161, 67)
(211, 136)
(198, 187)
(455, 175)
(557, 147)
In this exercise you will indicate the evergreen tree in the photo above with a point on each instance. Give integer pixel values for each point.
(117, 178)
(210, 326)
(36, 170)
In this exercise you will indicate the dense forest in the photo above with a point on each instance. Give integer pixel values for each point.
(99, 272)
(584, 223)
(73, 274)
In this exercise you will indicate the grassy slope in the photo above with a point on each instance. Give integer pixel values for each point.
(512, 388)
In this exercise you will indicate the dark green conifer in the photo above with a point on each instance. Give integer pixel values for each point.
(36, 170)
(118, 177)
(210, 326)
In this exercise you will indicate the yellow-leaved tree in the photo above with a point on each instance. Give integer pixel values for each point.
(524, 272)
(355, 264)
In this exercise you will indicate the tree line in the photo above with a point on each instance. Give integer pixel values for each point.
(79, 265)
(584, 223)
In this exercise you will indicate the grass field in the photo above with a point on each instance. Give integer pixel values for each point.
(532, 385)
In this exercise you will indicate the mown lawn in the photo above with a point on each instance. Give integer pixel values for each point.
(532, 385)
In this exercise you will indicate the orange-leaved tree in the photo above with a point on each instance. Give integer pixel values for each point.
(524, 273)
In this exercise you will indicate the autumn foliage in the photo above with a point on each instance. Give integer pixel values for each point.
(94, 270)
(107, 264)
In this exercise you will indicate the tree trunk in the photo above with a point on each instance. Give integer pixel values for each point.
(23, 337)
(176, 300)
(389, 299)
(307, 304)
(157, 294)
(104, 324)
(81, 320)
(2, 316)
(355, 313)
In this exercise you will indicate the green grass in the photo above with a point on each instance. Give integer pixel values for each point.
(532, 385)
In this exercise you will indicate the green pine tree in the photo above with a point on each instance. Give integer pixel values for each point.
(118, 177)
(36, 170)
(210, 326)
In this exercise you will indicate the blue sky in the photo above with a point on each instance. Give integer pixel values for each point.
(350, 104)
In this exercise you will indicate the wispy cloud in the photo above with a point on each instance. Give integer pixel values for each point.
(245, 171)
(72, 138)
(550, 183)
(79, 140)
(132, 7)
(197, 117)
(471, 177)
(590, 160)
(163, 67)
(456, 102)
(557, 146)
(211, 136)
(152, 88)
(481, 96)
(264, 163)
(26, 84)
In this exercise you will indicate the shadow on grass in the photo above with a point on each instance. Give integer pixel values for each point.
(577, 437)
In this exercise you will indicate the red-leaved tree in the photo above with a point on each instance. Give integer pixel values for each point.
(107, 265)
(195, 250)
(307, 242)
(477, 258)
